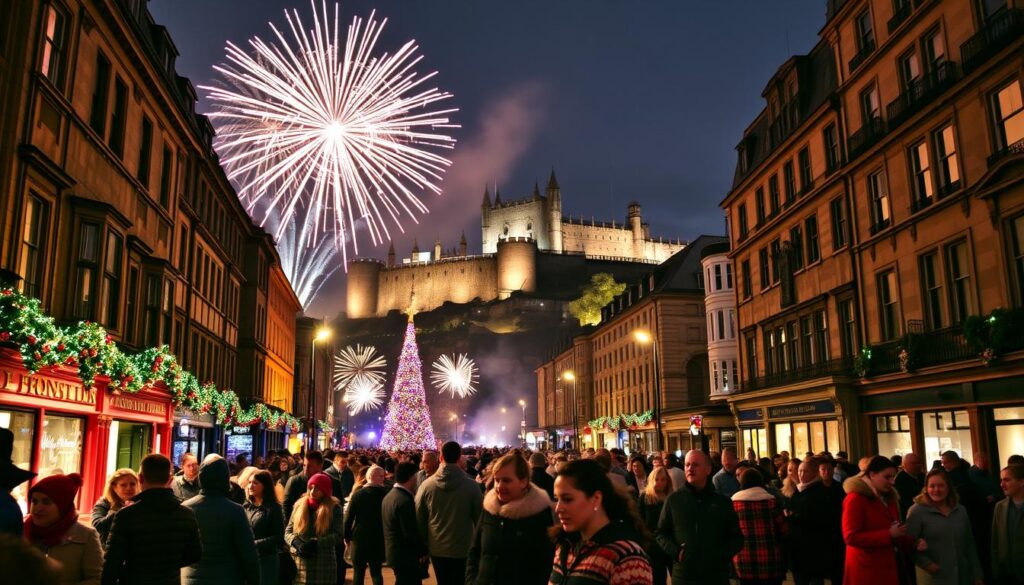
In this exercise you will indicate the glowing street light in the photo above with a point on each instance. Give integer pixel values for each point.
(322, 334)
(644, 337)
(522, 403)
(570, 376)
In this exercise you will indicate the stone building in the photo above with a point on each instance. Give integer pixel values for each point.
(892, 160)
(720, 307)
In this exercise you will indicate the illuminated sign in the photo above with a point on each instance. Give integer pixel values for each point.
(138, 405)
(43, 387)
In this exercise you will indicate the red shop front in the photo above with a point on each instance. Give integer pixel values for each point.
(60, 426)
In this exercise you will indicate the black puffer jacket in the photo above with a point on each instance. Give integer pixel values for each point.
(151, 540)
(705, 521)
(510, 544)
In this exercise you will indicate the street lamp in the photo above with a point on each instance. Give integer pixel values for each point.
(454, 419)
(522, 403)
(571, 377)
(644, 337)
(323, 333)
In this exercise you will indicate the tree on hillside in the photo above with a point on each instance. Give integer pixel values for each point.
(601, 290)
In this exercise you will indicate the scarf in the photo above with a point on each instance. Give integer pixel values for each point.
(802, 486)
(53, 534)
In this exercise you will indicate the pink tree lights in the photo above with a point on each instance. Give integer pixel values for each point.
(407, 423)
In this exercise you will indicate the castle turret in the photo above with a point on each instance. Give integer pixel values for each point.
(536, 191)
(362, 288)
(636, 225)
(554, 210)
(415, 250)
(485, 217)
(437, 247)
(391, 255)
(462, 245)
(517, 266)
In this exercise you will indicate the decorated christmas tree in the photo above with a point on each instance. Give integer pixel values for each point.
(407, 423)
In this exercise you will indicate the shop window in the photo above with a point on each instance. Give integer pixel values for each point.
(893, 435)
(947, 430)
(756, 439)
(61, 448)
(784, 438)
(33, 241)
(1009, 424)
(23, 425)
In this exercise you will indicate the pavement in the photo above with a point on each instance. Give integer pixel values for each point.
(389, 577)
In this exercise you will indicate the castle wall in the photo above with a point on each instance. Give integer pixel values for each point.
(362, 288)
(523, 219)
(517, 266)
(458, 280)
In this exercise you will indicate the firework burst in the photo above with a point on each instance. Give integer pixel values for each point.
(455, 375)
(307, 267)
(353, 365)
(363, 395)
(324, 129)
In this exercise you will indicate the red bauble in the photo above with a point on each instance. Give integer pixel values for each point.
(31, 339)
(60, 347)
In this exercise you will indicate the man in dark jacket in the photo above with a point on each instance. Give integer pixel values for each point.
(11, 476)
(151, 539)
(364, 529)
(816, 537)
(909, 481)
(699, 528)
(403, 547)
(539, 475)
(186, 485)
(342, 474)
(229, 547)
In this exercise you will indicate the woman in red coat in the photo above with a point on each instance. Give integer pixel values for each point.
(871, 528)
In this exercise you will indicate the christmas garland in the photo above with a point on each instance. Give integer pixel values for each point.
(614, 423)
(87, 347)
(325, 427)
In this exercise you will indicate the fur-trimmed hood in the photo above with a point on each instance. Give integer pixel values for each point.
(858, 484)
(754, 494)
(535, 500)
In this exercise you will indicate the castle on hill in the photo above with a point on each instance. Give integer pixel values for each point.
(528, 247)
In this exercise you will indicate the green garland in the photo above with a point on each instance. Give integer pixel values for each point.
(86, 346)
(614, 423)
(325, 427)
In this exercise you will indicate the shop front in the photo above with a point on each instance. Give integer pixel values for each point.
(796, 422)
(240, 441)
(706, 429)
(194, 433)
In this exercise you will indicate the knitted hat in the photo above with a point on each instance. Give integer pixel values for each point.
(321, 481)
(60, 488)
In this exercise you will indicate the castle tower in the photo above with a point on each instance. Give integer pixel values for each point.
(554, 211)
(415, 250)
(362, 288)
(437, 247)
(517, 266)
(485, 219)
(462, 245)
(391, 255)
(636, 226)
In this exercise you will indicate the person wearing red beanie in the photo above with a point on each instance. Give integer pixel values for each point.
(313, 531)
(52, 526)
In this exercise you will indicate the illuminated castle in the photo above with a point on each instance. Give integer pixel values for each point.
(528, 247)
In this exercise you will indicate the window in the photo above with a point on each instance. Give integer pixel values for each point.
(721, 325)
(878, 192)
(893, 435)
(806, 342)
(166, 166)
(131, 303)
(763, 262)
(145, 152)
(100, 96)
(117, 118)
(1009, 427)
(888, 301)
(773, 193)
(796, 240)
(33, 238)
(55, 45)
(751, 343)
(728, 276)
(718, 277)
(908, 69)
(166, 306)
(741, 213)
(931, 285)
(152, 309)
(88, 258)
(776, 247)
(921, 175)
(806, 173)
(110, 292)
(759, 196)
(789, 176)
(831, 147)
(811, 235)
(745, 275)
(934, 49)
(865, 32)
(961, 294)
(945, 153)
(1017, 253)
(948, 430)
(847, 327)
(869, 107)
(1009, 114)
(839, 223)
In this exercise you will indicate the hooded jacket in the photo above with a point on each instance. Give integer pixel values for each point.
(760, 519)
(867, 517)
(229, 547)
(705, 522)
(511, 544)
(448, 506)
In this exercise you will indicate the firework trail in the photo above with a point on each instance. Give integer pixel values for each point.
(455, 375)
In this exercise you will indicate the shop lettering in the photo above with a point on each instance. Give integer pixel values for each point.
(820, 407)
(20, 383)
(136, 405)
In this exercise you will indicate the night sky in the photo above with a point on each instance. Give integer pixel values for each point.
(641, 100)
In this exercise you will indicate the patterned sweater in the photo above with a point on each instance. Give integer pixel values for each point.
(612, 556)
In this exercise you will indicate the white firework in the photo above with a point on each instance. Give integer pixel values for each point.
(353, 365)
(364, 394)
(329, 133)
(455, 375)
(307, 267)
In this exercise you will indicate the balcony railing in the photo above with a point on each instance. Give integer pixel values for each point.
(931, 348)
(1015, 148)
(862, 54)
(901, 14)
(829, 368)
(865, 138)
(921, 92)
(997, 33)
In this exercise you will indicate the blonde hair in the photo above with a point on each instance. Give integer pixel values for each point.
(324, 516)
(650, 493)
(245, 476)
(109, 494)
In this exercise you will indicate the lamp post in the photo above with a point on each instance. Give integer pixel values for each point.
(323, 333)
(571, 376)
(522, 424)
(646, 338)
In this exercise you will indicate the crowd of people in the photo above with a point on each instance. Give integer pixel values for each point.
(512, 516)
